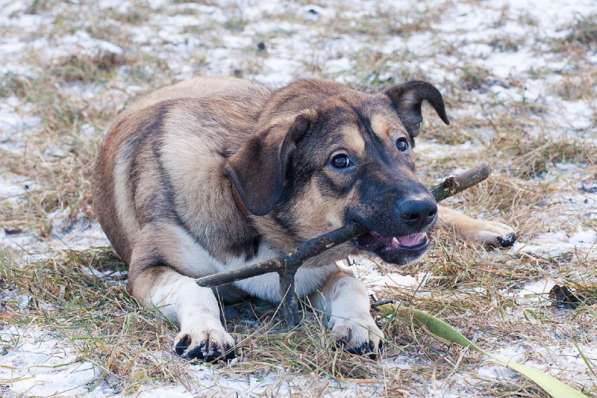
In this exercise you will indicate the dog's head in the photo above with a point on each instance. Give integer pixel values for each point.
(347, 158)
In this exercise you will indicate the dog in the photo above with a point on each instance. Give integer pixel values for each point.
(216, 173)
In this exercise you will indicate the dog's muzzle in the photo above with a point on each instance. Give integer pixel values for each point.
(402, 236)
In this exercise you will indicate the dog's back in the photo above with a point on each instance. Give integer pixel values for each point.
(129, 187)
(199, 87)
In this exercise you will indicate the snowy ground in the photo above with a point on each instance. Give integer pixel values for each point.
(519, 78)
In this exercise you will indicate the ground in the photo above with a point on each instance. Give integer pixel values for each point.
(519, 79)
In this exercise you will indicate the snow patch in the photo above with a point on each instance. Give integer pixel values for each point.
(368, 271)
(38, 364)
(433, 151)
(536, 292)
(552, 245)
(13, 186)
(16, 124)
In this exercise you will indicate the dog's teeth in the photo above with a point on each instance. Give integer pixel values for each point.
(395, 242)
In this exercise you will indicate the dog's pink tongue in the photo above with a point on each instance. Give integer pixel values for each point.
(412, 239)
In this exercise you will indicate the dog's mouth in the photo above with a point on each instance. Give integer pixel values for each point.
(394, 249)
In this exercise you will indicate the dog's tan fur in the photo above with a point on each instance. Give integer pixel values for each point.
(170, 193)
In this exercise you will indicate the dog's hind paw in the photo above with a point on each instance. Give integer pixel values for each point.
(491, 233)
(508, 240)
(205, 344)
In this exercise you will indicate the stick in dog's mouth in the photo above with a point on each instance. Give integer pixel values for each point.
(286, 266)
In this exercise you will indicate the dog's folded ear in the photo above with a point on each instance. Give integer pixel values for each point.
(407, 99)
(257, 171)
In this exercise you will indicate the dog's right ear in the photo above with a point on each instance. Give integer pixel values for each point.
(258, 170)
(407, 99)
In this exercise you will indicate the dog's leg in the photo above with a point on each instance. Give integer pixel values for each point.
(155, 283)
(486, 232)
(345, 304)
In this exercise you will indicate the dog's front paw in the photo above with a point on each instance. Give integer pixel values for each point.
(493, 234)
(358, 335)
(203, 343)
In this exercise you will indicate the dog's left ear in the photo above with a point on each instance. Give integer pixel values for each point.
(407, 99)
(258, 170)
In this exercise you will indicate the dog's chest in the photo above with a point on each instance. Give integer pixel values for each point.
(267, 286)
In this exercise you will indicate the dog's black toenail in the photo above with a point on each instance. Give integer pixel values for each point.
(371, 352)
(229, 351)
(213, 355)
(507, 240)
(341, 343)
(361, 349)
(366, 349)
(182, 344)
(196, 352)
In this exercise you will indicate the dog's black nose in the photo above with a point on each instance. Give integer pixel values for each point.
(417, 212)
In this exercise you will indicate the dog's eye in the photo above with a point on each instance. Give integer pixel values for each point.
(402, 144)
(341, 161)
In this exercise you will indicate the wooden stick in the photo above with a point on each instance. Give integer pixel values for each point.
(287, 265)
(292, 260)
(458, 183)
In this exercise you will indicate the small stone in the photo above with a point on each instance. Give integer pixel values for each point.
(562, 297)
(589, 186)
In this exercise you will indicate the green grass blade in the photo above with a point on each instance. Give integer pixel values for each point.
(442, 330)
(586, 360)
(436, 326)
(548, 383)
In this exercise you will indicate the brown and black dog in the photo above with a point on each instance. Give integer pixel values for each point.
(216, 173)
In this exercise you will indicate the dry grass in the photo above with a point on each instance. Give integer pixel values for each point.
(577, 86)
(58, 159)
(583, 34)
(531, 157)
(76, 297)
